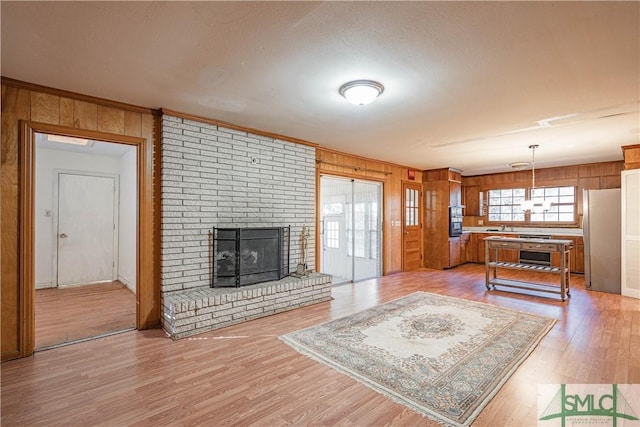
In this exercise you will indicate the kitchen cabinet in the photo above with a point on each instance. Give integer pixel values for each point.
(454, 252)
(472, 201)
(442, 189)
(576, 257)
(465, 239)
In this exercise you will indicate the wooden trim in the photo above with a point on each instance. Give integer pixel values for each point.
(355, 156)
(26, 233)
(73, 95)
(145, 290)
(157, 213)
(84, 133)
(354, 167)
(236, 127)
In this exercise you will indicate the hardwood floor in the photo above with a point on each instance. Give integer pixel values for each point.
(80, 312)
(244, 375)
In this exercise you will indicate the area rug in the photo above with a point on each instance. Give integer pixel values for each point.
(443, 357)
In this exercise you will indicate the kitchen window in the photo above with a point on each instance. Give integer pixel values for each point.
(504, 205)
(563, 204)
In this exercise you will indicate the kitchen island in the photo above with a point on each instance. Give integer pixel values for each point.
(493, 246)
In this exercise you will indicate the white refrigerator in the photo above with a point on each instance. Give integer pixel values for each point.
(602, 243)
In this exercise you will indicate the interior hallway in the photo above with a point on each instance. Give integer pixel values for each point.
(80, 312)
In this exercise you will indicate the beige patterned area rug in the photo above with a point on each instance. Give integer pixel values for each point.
(443, 357)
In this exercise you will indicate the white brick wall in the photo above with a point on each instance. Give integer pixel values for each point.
(191, 312)
(214, 176)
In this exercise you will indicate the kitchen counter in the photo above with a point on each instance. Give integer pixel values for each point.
(529, 231)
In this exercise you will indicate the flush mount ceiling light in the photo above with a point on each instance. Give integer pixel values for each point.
(68, 140)
(361, 92)
(519, 165)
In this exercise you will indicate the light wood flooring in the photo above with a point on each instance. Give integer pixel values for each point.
(244, 375)
(74, 313)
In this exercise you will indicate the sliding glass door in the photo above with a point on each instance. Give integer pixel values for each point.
(350, 228)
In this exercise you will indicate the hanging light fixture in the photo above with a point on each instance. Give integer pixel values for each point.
(528, 205)
(361, 92)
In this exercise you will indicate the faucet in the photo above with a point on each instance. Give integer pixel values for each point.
(502, 228)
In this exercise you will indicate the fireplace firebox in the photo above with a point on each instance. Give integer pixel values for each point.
(246, 256)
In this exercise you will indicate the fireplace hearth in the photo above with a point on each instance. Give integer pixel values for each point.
(246, 256)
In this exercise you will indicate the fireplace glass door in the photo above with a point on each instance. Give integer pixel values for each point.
(351, 229)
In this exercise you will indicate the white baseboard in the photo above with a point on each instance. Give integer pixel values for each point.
(128, 284)
(45, 285)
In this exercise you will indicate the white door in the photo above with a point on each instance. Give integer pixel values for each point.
(86, 229)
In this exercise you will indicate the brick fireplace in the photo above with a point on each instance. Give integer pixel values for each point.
(218, 177)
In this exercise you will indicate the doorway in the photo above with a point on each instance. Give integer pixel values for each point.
(85, 239)
(350, 229)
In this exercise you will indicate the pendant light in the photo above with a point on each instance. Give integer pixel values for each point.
(528, 205)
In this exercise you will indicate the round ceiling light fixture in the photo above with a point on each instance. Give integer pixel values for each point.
(361, 92)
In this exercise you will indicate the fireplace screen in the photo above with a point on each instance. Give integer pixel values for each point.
(245, 256)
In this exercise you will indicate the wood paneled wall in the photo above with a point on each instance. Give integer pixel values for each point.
(331, 162)
(586, 176)
(631, 154)
(37, 107)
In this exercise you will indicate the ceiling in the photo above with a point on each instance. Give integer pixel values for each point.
(468, 85)
(96, 148)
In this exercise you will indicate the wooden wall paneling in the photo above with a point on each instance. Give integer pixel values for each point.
(16, 105)
(66, 112)
(612, 181)
(148, 242)
(85, 115)
(45, 108)
(110, 120)
(631, 155)
(392, 252)
(16, 271)
(132, 123)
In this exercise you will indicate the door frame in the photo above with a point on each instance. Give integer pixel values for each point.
(146, 302)
(56, 216)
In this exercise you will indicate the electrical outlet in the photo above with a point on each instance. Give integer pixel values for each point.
(480, 222)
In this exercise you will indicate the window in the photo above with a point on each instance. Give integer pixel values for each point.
(504, 205)
(563, 203)
(411, 207)
(332, 234)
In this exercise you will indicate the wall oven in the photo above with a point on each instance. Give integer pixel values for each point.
(455, 221)
(532, 257)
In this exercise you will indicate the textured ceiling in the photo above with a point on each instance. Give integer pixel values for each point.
(462, 79)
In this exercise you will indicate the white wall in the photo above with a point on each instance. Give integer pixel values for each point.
(128, 224)
(46, 162)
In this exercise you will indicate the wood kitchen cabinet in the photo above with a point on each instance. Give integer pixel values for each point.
(454, 252)
(472, 202)
(442, 189)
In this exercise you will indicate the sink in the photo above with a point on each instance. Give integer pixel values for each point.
(493, 229)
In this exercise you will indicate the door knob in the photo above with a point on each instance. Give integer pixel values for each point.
(63, 235)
